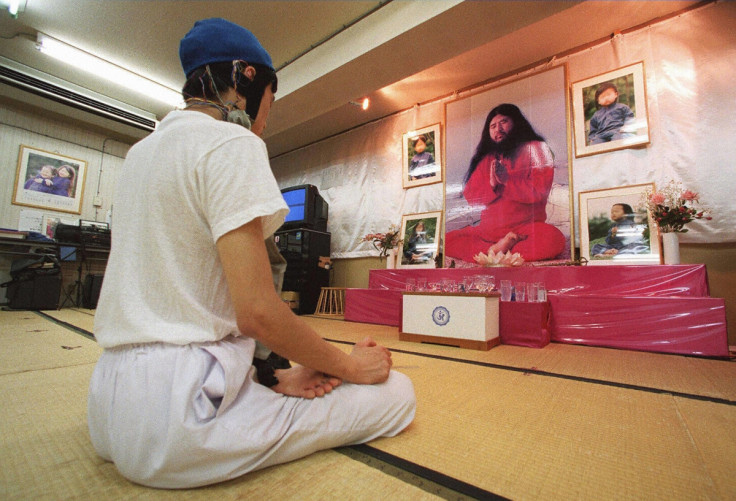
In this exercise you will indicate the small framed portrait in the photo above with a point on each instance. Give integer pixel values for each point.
(47, 180)
(420, 235)
(422, 156)
(616, 228)
(610, 111)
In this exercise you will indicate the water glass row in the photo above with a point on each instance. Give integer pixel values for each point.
(483, 283)
(531, 292)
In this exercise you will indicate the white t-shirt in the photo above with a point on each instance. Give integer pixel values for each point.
(183, 187)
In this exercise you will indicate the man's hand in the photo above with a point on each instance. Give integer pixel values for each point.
(500, 174)
(373, 362)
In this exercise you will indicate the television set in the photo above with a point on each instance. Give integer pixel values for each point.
(307, 208)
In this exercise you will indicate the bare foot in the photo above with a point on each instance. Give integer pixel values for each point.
(303, 382)
(506, 243)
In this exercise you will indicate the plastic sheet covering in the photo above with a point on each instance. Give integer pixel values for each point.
(689, 72)
(359, 175)
(691, 326)
(373, 306)
(688, 64)
(524, 324)
(649, 308)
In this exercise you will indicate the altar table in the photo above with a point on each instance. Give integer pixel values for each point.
(661, 308)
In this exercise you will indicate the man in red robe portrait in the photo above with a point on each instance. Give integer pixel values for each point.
(510, 177)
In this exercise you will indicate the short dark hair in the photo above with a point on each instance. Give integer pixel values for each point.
(627, 208)
(209, 81)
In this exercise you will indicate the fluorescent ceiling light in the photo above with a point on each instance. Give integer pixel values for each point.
(93, 64)
(13, 7)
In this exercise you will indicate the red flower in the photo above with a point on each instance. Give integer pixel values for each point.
(688, 196)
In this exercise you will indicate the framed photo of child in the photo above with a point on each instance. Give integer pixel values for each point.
(616, 228)
(47, 180)
(610, 111)
(420, 235)
(422, 156)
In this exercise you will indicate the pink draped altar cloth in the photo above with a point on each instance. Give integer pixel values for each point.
(661, 308)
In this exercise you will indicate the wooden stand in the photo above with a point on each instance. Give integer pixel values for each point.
(465, 320)
(331, 302)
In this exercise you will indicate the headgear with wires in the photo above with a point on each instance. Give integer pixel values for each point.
(217, 40)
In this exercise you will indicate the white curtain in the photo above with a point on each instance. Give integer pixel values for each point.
(690, 75)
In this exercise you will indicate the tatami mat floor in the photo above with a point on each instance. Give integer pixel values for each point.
(562, 422)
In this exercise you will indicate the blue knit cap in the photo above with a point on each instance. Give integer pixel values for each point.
(217, 40)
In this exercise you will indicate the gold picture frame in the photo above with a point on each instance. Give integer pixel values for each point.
(422, 156)
(622, 124)
(47, 180)
(630, 238)
(420, 234)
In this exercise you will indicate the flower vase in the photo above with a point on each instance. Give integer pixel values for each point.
(391, 259)
(671, 248)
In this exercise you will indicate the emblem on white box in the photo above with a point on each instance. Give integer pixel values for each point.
(466, 320)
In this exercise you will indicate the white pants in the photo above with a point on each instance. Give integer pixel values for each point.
(184, 416)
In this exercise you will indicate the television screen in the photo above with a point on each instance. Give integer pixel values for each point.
(296, 200)
(307, 209)
(67, 253)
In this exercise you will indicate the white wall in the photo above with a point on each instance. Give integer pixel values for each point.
(20, 128)
(689, 74)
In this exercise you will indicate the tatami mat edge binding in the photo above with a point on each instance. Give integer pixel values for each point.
(411, 459)
(430, 481)
(561, 376)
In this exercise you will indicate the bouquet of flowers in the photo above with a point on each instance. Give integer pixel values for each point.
(384, 242)
(673, 207)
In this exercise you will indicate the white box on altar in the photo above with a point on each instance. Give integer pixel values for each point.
(467, 320)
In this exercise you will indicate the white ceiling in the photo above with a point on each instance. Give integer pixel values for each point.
(327, 53)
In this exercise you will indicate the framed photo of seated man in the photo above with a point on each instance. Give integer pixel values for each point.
(616, 228)
(507, 173)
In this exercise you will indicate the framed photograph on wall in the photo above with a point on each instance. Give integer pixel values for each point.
(47, 180)
(422, 156)
(610, 111)
(507, 172)
(421, 239)
(616, 228)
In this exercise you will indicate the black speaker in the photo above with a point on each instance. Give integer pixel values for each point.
(302, 249)
(38, 292)
(91, 290)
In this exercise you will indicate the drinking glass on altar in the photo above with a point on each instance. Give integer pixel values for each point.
(520, 291)
(490, 282)
(505, 290)
(421, 284)
(541, 292)
(411, 284)
(532, 292)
